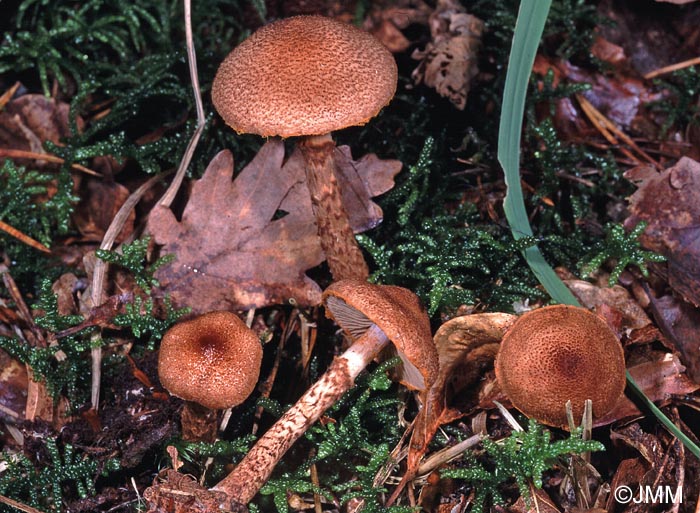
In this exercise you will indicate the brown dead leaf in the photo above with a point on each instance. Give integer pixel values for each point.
(660, 379)
(449, 61)
(246, 243)
(465, 345)
(619, 97)
(13, 388)
(608, 52)
(30, 120)
(680, 323)
(617, 297)
(100, 201)
(660, 464)
(669, 202)
(386, 22)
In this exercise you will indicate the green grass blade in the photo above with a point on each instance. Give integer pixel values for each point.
(528, 31)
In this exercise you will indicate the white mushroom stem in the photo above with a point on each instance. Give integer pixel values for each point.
(337, 238)
(253, 471)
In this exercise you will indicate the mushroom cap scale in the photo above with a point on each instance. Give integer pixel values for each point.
(559, 353)
(305, 75)
(356, 305)
(213, 359)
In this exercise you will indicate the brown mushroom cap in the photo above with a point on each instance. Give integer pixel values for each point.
(213, 360)
(559, 353)
(356, 305)
(305, 75)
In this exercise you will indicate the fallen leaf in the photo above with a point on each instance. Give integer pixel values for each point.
(449, 61)
(680, 323)
(660, 379)
(13, 388)
(660, 464)
(100, 201)
(592, 296)
(465, 345)
(247, 243)
(618, 97)
(669, 202)
(386, 22)
(30, 120)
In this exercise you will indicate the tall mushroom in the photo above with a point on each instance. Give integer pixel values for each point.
(213, 362)
(559, 353)
(373, 316)
(307, 76)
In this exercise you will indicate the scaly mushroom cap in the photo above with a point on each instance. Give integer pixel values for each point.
(559, 353)
(356, 305)
(306, 75)
(213, 360)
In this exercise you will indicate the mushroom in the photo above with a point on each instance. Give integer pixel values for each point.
(559, 353)
(373, 316)
(212, 362)
(307, 76)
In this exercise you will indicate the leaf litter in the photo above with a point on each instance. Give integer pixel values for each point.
(248, 243)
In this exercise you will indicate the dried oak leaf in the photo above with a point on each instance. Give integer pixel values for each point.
(247, 243)
(669, 202)
(449, 61)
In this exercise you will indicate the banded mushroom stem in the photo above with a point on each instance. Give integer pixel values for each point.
(255, 468)
(337, 238)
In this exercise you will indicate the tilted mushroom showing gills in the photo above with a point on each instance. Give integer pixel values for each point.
(307, 76)
(213, 362)
(373, 316)
(559, 353)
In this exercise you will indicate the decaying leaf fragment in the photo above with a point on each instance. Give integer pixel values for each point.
(247, 243)
(449, 61)
(669, 202)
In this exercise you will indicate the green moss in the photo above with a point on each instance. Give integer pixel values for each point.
(522, 457)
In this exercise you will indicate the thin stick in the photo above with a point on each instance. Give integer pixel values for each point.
(21, 154)
(170, 194)
(605, 126)
(7, 95)
(100, 271)
(673, 67)
(26, 239)
(18, 505)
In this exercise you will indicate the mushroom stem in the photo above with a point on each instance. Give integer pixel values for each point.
(343, 255)
(255, 468)
(198, 423)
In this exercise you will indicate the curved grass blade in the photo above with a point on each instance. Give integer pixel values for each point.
(528, 31)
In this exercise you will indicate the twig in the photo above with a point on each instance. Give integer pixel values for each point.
(170, 194)
(607, 128)
(673, 67)
(26, 239)
(22, 308)
(7, 95)
(21, 154)
(18, 505)
(100, 271)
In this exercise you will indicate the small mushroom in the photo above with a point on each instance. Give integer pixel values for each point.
(559, 353)
(212, 362)
(373, 316)
(308, 76)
